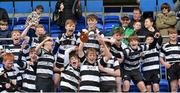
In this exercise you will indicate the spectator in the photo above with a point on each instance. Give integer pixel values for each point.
(125, 21)
(3, 14)
(137, 17)
(4, 32)
(149, 27)
(177, 10)
(165, 20)
(66, 9)
(137, 28)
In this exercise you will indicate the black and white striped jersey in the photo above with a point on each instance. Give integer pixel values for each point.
(70, 78)
(90, 76)
(13, 75)
(132, 57)
(45, 64)
(92, 41)
(63, 42)
(151, 59)
(171, 52)
(118, 51)
(113, 64)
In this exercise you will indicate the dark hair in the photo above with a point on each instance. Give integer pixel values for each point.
(149, 35)
(165, 5)
(73, 54)
(137, 9)
(40, 7)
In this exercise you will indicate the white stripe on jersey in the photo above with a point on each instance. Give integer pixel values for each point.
(60, 55)
(150, 67)
(151, 59)
(89, 67)
(90, 78)
(29, 77)
(29, 86)
(70, 78)
(44, 63)
(107, 78)
(67, 84)
(93, 45)
(91, 88)
(44, 71)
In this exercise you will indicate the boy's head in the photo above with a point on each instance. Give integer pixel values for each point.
(8, 60)
(149, 39)
(39, 9)
(32, 54)
(48, 44)
(3, 25)
(149, 22)
(172, 34)
(74, 59)
(40, 30)
(117, 33)
(92, 20)
(91, 55)
(15, 35)
(70, 25)
(137, 25)
(133, 42)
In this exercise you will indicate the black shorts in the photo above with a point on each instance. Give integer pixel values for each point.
(151, 77)
(134, 75)
(107, 87)
(173, 73)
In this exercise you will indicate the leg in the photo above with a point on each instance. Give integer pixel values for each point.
(57, 78)
(174, 85)
(118, 84)
(141, 86)
(148, 87)
(156, 87)
(126, 85)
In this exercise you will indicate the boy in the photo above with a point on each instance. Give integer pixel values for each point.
(33, 41)
(63, 42)
(10, 76)
(169, 57)
(70, 76)
(29, 74)
(89, 71)
(131, 65)
(109, 69)
(150, 66)
(45, 64)
(34, 17)
(92, 32)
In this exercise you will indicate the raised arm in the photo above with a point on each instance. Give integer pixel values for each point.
(80, 50)
(66, 59)
(24, 33)
(41, 44)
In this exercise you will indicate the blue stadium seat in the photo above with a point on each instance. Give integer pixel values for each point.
(45, 5)
(82, 5)
(23, 7)
(53, 6)
(94, 6)
(8, 6)
(19, 27)
(147, 6)
(108, 27)
(21, 20)
(44, 20)
(170, 2)
(11, 20)
(100, 27)
(164, 86)
(111, 19)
